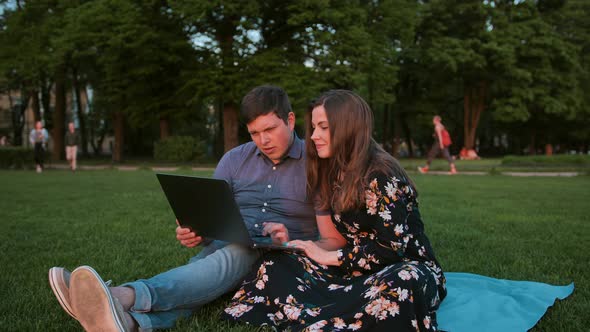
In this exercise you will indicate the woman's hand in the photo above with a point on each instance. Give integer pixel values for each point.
(313, 251)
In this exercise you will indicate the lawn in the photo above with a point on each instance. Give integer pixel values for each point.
(119, 222)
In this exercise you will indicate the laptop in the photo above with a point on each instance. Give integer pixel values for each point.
(208, 207)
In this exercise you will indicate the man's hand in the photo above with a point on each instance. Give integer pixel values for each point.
(278, 232)
(187, 237)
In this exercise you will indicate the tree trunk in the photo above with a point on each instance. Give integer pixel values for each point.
(225, 37)
(35, 105)
(80, 111)
(397, 130)
(18, 119)
(473, 105)
(408, 134)
(164, 128)
(119, 127)
(230, 126)
(59, 115)
(532, 146)
(385, 123)
(46, 101)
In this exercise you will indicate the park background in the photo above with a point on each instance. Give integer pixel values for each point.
(146, 79)
(156, 85)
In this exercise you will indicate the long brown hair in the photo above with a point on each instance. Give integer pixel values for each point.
(339, 182)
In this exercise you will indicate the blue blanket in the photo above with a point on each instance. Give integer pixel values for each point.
(478, 303)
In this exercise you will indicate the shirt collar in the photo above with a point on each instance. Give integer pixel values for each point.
(295, 151)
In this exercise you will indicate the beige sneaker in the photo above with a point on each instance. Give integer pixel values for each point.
(59, 280)
(423, 170)
(92, 302)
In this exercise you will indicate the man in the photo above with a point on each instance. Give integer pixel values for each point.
(442, 141)
(268, 180)
(72, 140)
(38, 138)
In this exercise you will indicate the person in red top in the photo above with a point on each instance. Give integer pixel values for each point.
(442, 141)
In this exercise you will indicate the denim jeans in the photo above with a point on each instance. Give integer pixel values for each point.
(217, 269)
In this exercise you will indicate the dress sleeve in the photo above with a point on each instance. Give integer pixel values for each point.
(390, 203)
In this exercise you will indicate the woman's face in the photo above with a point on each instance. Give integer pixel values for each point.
(321, 132)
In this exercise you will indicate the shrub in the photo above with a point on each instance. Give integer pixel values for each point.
(15, 157)
(179, 148)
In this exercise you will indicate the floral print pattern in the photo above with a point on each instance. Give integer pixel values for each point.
(388, 279)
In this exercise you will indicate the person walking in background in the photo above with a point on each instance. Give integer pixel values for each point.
(442, 141)
(72, 140)
(38, 139)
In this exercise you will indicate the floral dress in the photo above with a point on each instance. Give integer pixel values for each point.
(388, 279)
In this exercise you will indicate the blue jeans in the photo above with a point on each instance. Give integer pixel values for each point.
(217, 269)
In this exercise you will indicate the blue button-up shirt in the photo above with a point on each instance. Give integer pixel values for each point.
(271, 192)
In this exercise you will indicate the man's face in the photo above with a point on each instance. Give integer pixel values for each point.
(272, 135)
(71, 126)
(38, 125)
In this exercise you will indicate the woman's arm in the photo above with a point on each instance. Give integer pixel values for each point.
(330, 239)
(324, 250)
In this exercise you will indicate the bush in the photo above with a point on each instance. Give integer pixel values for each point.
(542, 160)
(15, 157)
(179, 148)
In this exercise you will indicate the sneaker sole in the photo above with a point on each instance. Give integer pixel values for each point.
(60, 289)
(93, 303)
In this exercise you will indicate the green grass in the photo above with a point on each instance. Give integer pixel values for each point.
(555, 163)
(120, 223)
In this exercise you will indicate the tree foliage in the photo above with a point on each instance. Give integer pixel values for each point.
(166, 67)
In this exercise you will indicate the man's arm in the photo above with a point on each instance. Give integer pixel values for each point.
(438, 129)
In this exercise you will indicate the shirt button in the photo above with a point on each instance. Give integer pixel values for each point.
(269, 186)
(263, 210)
(256, 225)
(265, 204)
(274, 168)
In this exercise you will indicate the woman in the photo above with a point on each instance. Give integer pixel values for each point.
(384, 276)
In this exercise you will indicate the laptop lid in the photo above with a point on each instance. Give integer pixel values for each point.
(205, 205)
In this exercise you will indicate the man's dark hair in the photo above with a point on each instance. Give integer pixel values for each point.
(263, 100)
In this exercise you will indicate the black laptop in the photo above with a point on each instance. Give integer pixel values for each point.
(208, 207)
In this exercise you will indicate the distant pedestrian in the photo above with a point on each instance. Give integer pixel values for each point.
(72, 141)
(38, 139)
(442, 141)
(3, 140)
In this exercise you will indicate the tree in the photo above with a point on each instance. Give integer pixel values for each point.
(23, 58)
(132, 54)
(543, 85)
(457, 45)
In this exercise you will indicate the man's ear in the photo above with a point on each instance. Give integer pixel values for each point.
(291, 120)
